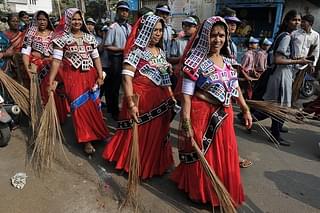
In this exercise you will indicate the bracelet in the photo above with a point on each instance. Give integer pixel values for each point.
(246, 109)
(186, 124)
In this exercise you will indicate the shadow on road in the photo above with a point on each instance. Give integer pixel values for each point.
(298, 186)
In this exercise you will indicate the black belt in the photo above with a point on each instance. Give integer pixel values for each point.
(43, 73)
(216, 119)
(148, 116)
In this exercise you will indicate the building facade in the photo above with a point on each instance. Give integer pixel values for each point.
(31, 6)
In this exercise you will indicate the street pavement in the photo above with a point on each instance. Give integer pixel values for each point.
(281, 180)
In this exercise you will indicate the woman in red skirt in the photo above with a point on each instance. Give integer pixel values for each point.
(209, 84)
(37, 49)
(81, 75)
(145, 74)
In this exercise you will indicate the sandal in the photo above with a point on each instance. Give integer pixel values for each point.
(245, 163)
(89, 149)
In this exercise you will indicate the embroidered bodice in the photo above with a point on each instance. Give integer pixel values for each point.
(78, 50)
(42, 45)
(221, 83)
(153, 67)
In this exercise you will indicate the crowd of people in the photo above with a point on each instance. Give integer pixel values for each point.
(160, 72)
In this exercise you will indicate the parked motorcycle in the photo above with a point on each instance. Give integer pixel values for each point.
(308, 86)
(9, 112)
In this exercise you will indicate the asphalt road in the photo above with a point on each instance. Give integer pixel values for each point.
(281, 180)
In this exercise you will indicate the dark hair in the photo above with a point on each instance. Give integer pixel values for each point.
(143, 10)
(226, 11)
(23, 13)
(41, 12)
(261, 41)
(309, 18)
(12, 15)
(285, 23)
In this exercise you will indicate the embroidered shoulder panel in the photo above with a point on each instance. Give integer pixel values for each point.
(90, 39)
(221, 84)
(78, 50)
(134, 57)
(156, 68)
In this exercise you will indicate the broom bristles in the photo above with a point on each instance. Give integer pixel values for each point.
(277, 112)
(19, 94)
(47, 137)
(297, 85)
(35, 100)
(134, 166)
(226, 202)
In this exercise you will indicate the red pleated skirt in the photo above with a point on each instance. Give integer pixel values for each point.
(87, 119)
(154, 147)
(60, 101)
(222, 156)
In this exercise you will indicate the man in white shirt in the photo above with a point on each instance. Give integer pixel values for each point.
(305, 41)
(115, 42)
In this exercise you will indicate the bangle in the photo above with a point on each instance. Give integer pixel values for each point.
(186, 124)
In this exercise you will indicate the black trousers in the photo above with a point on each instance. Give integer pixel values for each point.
(276, 125)
(103, 88)
(113, 82)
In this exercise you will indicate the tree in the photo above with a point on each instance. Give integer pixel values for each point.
(96, 9)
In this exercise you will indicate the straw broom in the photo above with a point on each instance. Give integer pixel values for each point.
(19, 94)
(278, 112)
(35, 100)
(297, 84)
(48, 135)
(226, 202)
(134, 165)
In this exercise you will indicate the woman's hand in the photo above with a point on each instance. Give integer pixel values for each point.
(9, 52)
(247, 119)
(304, 61)
(134, 113)
(52, 87)
(100, 82)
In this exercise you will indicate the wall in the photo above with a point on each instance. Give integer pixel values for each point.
(304, 7)
(182, 8)
(45, 5)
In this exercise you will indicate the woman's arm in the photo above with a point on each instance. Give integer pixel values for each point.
(281, 57)
(26, 63)
(188, 88)
(282, 60)
(53, 73)
(98, 66)
(127, 76)
(245, 109)
(186, 117)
